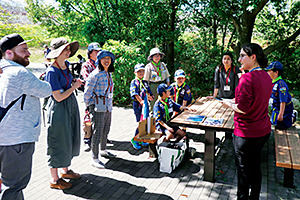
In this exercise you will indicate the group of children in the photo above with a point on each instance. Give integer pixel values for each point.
(178, 96)
(172, 98)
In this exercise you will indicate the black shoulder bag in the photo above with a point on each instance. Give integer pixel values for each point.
(3, 111)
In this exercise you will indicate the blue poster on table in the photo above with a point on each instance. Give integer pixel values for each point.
(195, 118)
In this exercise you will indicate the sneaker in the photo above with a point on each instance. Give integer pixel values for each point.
(87, 147)
(107, 154)
(70, 175)
(135, 144)
(97, 163)
(60, 184)
(144, 144)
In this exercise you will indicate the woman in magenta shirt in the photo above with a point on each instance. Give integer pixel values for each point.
(251, 120)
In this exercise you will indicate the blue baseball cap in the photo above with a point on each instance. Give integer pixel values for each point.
(163, 88)
(94, 46)
(138, 67)
(104, 53)
(179, 73)
(275, 65)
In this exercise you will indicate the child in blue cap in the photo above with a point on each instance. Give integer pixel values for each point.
(181, 92)
(138, 90)
(163, 111)
(281, 100)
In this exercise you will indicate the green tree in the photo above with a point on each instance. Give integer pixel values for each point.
(148, 23)
(243, 15)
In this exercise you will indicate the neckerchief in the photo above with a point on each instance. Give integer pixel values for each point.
(276, 79)
(156, 67)
(177, 91)
(140, 81)
(166, 106)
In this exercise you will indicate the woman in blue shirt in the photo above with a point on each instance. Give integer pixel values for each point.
(63, 120)
(99, 85)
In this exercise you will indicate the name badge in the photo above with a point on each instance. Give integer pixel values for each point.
(158, 78)
(110, 95)
(170, 110)
(226, 88)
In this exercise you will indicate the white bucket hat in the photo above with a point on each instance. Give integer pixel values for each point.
(57, 45)
(155, 51)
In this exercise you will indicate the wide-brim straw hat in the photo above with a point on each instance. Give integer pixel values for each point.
(57, 45)
(155, 51)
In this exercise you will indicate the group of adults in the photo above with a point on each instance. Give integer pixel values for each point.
(249, 95)
(252, 123)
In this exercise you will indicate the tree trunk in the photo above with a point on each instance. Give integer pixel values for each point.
(170, 45)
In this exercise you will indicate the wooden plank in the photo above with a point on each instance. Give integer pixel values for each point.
(283, 158)
(228, 115)
(215, 110)
(199, 106)
(294, 144)
(206, 110)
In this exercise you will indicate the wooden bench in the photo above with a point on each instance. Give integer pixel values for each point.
(287, 146)
(152, 141)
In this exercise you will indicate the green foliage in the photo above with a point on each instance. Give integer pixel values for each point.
(127, 56)
(198, 58)
(27, 31)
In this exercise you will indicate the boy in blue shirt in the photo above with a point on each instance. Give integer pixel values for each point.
(281, 100)
(181, 92)
(138, 90)
(163, 111)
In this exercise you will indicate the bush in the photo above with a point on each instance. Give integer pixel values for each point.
(127, 56)
(198, 57)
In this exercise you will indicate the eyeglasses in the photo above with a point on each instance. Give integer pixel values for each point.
(67, 49)
(243, 55)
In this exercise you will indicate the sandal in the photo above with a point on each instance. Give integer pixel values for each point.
(70, 175)
(60, 184)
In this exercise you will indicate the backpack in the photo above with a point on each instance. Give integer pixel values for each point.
(3, 111)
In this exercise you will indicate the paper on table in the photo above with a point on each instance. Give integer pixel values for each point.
(195, 118)
(213, 121)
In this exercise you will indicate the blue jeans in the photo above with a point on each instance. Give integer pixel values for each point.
(137, 108)
(247, 160)
(15, 168)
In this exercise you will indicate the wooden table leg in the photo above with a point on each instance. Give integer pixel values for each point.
(288, 180)
(209, 156)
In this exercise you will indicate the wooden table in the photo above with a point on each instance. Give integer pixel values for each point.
(209, 108)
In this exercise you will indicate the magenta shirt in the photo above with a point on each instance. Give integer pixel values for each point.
(252, 96)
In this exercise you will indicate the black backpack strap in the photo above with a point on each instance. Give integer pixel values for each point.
(14, 101)
(23, 101)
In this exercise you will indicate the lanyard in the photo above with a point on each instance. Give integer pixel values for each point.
(155, 69)
(256, 68)
(64, 73)
(109, 79)
(166, 106)
(228, 74)
(177, 91)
